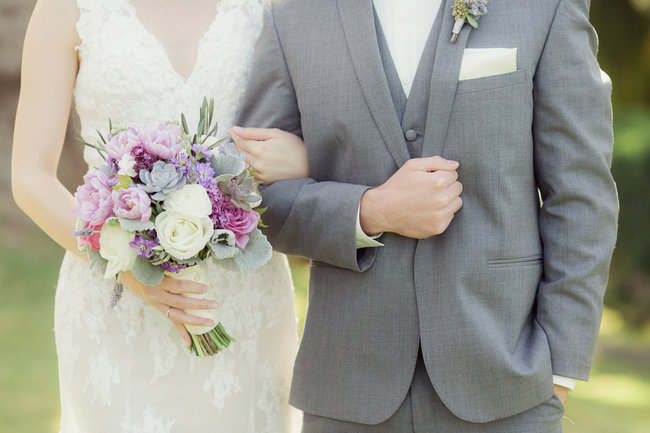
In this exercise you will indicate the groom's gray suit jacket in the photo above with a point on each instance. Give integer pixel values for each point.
(511, 293)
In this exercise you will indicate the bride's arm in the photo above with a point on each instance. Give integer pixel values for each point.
(273, 154)
(49, 69)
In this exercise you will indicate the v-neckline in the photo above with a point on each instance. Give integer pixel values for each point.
(184, 79)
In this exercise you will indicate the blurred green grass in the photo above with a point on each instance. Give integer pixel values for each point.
(615, 400)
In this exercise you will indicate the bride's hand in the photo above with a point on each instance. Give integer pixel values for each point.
(167, 297)
(273, 154)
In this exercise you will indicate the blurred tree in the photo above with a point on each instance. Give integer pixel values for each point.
(624, 33)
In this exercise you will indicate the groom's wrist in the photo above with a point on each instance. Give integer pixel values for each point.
(372, 222)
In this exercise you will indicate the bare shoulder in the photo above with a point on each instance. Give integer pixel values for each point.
(54, 21)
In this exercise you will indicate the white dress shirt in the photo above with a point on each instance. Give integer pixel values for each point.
(406, 25)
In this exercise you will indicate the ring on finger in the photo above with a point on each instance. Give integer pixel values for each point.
(168, 311)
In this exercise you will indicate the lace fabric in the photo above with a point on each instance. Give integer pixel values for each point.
(125, 369)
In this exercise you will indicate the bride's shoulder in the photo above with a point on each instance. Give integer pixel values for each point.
(55, 19)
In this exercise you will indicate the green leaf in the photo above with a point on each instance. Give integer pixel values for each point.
(200, 129)
(184, 123)
(136, 225)
(472, 22)
(258, 251)
(210, 111)
(97, 262)
(226, 165)
(146, 273)
(100, 136)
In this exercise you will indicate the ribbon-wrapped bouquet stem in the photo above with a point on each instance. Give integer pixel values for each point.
(166, 201)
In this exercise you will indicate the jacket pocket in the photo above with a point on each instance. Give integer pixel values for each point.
(535, 259)
(491, 83)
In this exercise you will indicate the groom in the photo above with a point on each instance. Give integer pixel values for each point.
(462, 315)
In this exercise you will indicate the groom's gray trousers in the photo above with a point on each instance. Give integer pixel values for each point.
(511, 293)
(423, 412)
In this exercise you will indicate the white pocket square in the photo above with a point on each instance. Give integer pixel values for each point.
(485, 62)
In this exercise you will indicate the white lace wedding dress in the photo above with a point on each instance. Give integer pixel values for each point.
(125, 369)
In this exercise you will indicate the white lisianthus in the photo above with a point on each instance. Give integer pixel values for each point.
(183, 235)
(127, 164)
(114, 247)
(191, 200)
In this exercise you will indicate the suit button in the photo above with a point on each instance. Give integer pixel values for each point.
(411, 135)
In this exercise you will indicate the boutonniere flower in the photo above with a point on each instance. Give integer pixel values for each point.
(466, 11)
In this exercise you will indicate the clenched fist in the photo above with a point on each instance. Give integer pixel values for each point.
(418, 201)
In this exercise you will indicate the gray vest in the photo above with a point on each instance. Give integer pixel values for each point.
(411, 111)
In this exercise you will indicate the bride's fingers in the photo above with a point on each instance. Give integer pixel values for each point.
(179, 317)
(258, 134)
(173, 285)
(187, 303)
(185, 335)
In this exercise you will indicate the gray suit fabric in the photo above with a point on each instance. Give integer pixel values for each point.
(423, 412)
(512, 292)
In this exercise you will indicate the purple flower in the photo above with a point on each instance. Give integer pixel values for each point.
(181, 162)
(143, 159)
(163, 140)
(161, 180)
(172, 266)
(94, 199)
(144, 243)
(201, 151)
(238, 221)
(122, 143)
(204, 174)
(132, 203)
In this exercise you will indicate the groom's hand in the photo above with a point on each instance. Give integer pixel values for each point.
(418, 201)
(561, 392)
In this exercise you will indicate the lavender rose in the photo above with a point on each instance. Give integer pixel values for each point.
(94, 199)
(122, 143)
(239, 221)
(161, 140)
(132, 203)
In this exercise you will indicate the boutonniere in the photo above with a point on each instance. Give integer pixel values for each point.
(466, 11)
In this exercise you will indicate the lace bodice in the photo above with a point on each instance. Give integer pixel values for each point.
(125, 72)
(124, 369)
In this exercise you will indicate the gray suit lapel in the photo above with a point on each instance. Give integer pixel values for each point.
(446, 69)
(358, 23)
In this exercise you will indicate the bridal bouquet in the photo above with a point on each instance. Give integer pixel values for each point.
(164, 202)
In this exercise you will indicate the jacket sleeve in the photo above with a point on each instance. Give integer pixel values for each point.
(312, 219)
(572, 130)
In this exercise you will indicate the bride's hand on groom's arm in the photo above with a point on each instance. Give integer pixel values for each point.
(273, 154)
(418, 201)
(167, 297)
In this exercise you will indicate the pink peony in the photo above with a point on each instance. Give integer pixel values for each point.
(94, 199)
(238, 221)
(161, 140)
(132, 203)
(122, 143)
(92, 241)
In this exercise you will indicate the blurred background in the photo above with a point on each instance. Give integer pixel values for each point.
(616, 398)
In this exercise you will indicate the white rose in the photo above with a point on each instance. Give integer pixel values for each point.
(114, 247)
(127, 164)
(191, 200)
(182, 235)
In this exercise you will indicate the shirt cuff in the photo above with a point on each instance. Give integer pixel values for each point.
(363, 240)
(566, 382)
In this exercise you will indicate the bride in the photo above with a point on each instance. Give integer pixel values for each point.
(125, 369)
